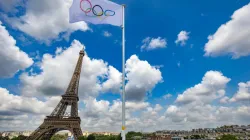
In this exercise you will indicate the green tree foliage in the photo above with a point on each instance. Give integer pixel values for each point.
(227, 137)
(132, 134)
(82, 138)
(195, 137)
(59, 137)
(4, 138)
(119, 137)
(102, 137)
(21, 137)
(91, 137)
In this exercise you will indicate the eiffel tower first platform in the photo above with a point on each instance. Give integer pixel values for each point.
(58, 120)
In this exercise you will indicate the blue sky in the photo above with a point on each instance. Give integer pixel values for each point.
(174, 67)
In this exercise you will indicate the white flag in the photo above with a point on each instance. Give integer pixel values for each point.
(96, 12)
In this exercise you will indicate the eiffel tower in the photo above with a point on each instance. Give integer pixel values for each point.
(58, 120)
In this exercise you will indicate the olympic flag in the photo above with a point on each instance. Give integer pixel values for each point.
(96, 12)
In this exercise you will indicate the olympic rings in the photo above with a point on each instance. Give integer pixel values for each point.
(109, 11)
(88, 9)
(96, 13)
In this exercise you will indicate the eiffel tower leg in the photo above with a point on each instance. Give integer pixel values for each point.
(49, 134)
(37, 133)
(43, 132)
(77, 133)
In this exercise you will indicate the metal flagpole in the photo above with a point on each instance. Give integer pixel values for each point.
(123, 73)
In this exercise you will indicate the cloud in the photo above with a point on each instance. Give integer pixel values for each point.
(233, 115)
(243, 94)
(100, 115)
(231, 38)
(114, 81)
(15, 110)
(142, 78)
(211, 87)
(174, 113)
(12, 59)
(153, 43)
(167, 96)
(44, 22)
(206, 116)
(158, 107)
(179, 64)
(224, 100)
(195, 106)
(106, 115)
(9, 5)
(183, 36)
(107, 34)
(11, 105)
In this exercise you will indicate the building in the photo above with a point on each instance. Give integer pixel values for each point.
(177, 138)
(12, 134)
(86, 134)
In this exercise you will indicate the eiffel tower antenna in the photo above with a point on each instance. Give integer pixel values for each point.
(58, 120)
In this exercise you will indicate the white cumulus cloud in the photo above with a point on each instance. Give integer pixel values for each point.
(224, 100)
(182, 37)
(211, 87)
(46, 20)
(243, 94)
(231, 38)
(167, 96)
(153, 43)
(9, 5)
(16, 109)
(12, 59)
(142, 78)
(113, 81)
(198, 116)
(17, 105)
(102, 114)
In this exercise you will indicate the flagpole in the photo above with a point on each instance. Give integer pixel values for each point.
(123, 73)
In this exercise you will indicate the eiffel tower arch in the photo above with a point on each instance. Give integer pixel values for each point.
(58, 120)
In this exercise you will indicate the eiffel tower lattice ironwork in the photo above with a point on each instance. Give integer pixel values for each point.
(57, 120)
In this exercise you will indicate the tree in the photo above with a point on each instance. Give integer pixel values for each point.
(20, 137)
(91, 137)
(227, 137)
(4, 138)
(119, 137)
(59, 137)
(82, 138)
(132, 134)
(105, 137)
